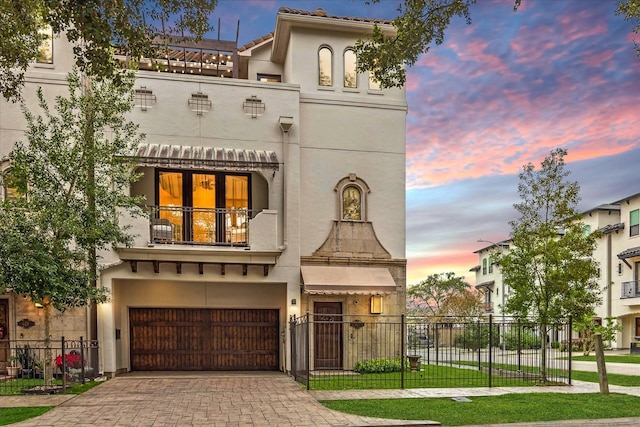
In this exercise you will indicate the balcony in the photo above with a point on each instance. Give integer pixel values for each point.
(185, 235)
(199, 226)
(630, 289)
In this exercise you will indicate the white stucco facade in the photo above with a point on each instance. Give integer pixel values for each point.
(320, 137)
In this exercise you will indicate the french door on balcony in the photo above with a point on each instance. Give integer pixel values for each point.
(204, 207)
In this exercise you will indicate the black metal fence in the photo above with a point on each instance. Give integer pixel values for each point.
(366, 352)
(33, 367)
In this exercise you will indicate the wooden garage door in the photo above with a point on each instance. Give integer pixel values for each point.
(203, 339)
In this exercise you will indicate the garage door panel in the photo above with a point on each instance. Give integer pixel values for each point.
(204, 339)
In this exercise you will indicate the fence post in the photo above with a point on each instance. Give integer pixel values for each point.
(402, 350)
(292, 343)
(64, 365)
(308, 345)
(519, 351)
(437, 343)
(490, 342)
(82, 360)
(479, 345)
(570, 345)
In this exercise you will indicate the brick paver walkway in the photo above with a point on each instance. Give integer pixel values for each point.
(200, 400)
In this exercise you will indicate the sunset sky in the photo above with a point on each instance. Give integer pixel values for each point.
(498, 94)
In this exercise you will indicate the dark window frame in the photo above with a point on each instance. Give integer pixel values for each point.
(187, 196)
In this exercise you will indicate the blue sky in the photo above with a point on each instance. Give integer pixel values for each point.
(493, 97)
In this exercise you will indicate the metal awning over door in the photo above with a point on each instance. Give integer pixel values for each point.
(347, 280)
(190, 157)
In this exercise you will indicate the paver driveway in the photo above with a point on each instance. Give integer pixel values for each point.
(211, 399)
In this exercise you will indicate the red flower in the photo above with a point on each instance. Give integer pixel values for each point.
(72, 360)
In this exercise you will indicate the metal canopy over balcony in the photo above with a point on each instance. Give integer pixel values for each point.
(178, 156)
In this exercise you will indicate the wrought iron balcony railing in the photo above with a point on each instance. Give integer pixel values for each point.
(631, 289)
(199, 226)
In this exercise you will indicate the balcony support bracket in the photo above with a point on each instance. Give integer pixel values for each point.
(134, 266)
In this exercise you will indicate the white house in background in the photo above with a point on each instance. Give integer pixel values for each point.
(618, 255)
(274, 177)
(489, 278)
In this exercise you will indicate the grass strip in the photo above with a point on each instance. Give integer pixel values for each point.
(625, 358)
(528, 407)
(15, 415)
(430, 376)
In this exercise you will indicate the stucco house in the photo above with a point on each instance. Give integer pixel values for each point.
(274, 178)
(618, 255)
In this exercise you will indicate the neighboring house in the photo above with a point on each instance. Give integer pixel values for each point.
(618, 255)
(274, 178)
(489, 279)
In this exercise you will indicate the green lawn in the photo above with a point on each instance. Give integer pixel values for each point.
(15, 415)
(623, 358)
(509, 408)
(15, 387)
(431, 376)
(614, 379)
(439, 376)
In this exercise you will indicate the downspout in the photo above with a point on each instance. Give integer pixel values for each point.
(285, 123)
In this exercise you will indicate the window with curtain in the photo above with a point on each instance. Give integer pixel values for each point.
(325, 66)
(350, 75)
(204, 207)
(490, 264)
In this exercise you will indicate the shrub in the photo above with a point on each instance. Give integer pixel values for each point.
(477, 336)
(555, 344)
(577, 344)
(376, 366)
(528, 340)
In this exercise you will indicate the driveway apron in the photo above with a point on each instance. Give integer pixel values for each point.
(207, 399)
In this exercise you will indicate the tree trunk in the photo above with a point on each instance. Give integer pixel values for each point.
(48, 362)
(543, 352)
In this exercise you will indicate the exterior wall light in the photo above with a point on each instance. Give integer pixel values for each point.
(376, 304)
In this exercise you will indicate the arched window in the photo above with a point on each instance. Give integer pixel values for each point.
(9, 191)
(325, 66)
(350, 75)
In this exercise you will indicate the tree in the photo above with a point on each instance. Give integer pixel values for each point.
(95, 26)
(549, 266)
(467, 305)
(72, 181)
(630, 9)
(423, 22)
(431, 295)
(588, 327)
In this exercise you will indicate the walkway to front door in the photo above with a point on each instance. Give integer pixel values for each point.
(202, 399)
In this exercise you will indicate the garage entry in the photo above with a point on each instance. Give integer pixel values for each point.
(190, 339)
